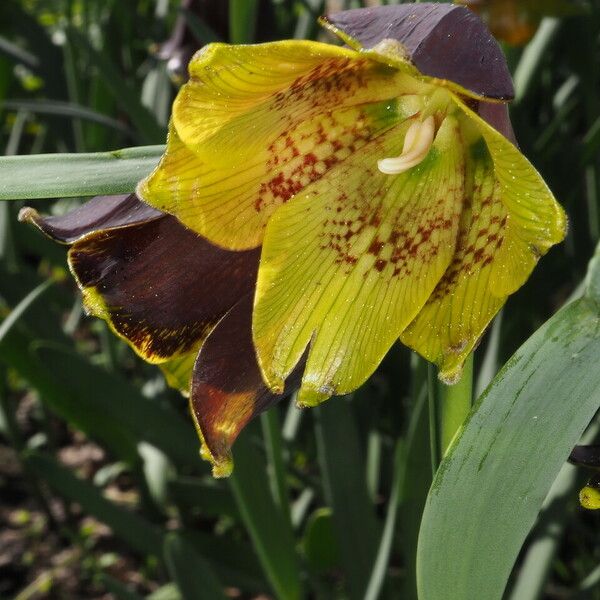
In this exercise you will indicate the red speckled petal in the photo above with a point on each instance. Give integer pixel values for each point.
(256, 125)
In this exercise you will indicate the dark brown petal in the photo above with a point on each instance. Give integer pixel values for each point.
(443, 40)
(227, 387)
(101, 212)
(160, 286)
(497, 116)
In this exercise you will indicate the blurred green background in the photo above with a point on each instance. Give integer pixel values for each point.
(102, 492)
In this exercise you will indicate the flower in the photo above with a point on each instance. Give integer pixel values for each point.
(386, 207)
(168, 292)
(376, 183)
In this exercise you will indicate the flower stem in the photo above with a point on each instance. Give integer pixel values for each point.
(456, 405)
(449, 406)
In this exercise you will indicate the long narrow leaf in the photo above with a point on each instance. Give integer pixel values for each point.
(269, 529)
(72, 175)
(343, 470)
(189, 570)
(133, 529)
(491, 486)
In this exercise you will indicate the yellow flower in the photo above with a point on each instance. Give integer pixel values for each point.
(315, 204)
(385, 205)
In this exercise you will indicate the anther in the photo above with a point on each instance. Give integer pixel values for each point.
(417, 143)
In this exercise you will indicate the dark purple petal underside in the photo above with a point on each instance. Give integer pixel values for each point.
(163, 286)
(227, 386)
(497, 116)
(443, 40)
(101, 212)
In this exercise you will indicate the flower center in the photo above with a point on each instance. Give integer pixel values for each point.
(417, 144)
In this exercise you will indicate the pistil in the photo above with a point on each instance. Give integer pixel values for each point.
(417, 144)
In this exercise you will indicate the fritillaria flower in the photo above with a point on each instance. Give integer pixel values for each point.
(317, 203)
(589, 458)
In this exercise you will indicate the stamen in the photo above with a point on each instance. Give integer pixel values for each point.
(417, 143)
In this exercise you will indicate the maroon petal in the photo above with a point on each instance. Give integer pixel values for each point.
(443, 40)
(101, 212)
(227, 387)
(161, 286)
(497, 116)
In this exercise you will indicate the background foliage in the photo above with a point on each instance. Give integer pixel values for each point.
(103, 493)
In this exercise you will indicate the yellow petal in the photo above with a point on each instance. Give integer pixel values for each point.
(257, 124)
(349, 263)
(178, 371)
(509, 220)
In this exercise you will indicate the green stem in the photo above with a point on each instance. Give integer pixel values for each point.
(277, 473)
(449, 406)
(433, 395)
(456, 404)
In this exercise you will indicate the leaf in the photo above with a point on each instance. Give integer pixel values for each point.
(101, 392)
(72, 175)
(270, 531)
(125, 93)
(491, 485)
(354, 524)
(65, 109)
(139, 533)
(20, 308)
(243, 15)
(189, 570)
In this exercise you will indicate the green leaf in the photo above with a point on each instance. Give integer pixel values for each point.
(243, 15)
(136, 531)
(342, 465)
(319, 543)
(189, 570)
(20, 308)
(100, 392)
(490, 487)
(125, 94)
(72, 175)
(65, 109)
(270, 531)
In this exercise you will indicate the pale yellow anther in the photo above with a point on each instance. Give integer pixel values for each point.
(417, 143)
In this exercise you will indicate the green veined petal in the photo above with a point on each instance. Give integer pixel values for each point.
(348, 264)
(257, 124)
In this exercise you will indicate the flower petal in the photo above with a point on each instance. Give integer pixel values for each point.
(227, 387)
(256, 124)
(347, 265)
(443, 41)
(101, 212)
(160, 286)
(510, 219)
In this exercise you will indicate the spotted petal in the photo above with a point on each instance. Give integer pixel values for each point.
(348, 264)
(255, 125)
(510, 219)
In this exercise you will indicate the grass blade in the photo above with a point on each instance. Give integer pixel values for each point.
(269, 529)
(189, 570)
(136, 531)
(509, 453)
(343, 470)
(74, 175)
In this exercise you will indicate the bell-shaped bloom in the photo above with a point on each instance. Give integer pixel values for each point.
(321, 203)
(178, 300)
(385, 205)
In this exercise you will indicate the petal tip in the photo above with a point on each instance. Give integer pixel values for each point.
(222, 464)
(451, 376)
(28, 215)
(589, 498)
